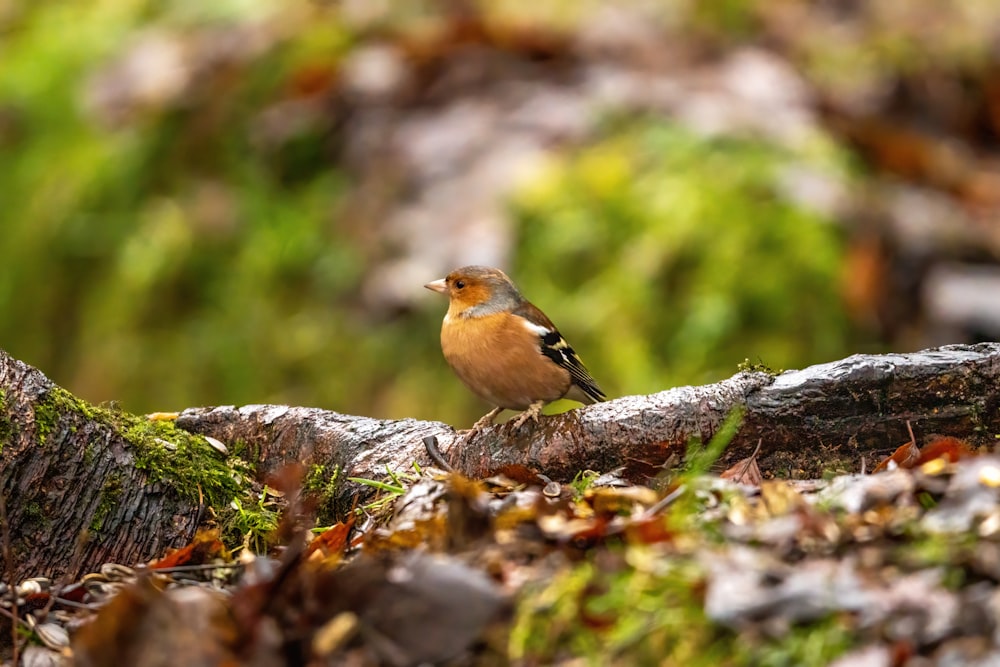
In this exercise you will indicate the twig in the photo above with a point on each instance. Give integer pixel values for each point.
(63, 602)
(195, 568)
(664, 502)
(751, 459)
(431, 445)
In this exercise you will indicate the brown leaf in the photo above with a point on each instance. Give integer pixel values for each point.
(649, 530)
(205, 547)
(427, 609)
(519, 473)
(944, 447)
(905, 456)
(745, 471)
(143, 626)
(333, 540)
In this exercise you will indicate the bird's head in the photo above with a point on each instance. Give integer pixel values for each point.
(474, 291)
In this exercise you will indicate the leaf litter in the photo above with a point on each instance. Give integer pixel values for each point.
(892, 568)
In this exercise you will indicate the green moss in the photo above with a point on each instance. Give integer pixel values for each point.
(88, 454)
(57, 405)
(169, 455)
(6, 425)
(180, 460)
(34, 513)
(817, 643)
(747, 366)
(249, 454)
(183, 460)
(316, 478)
(583, 480)
(323, 485)
(46, 415)
(111, 493)
(252, 520)
(976, 412)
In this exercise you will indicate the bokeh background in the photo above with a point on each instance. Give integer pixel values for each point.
(231, 202)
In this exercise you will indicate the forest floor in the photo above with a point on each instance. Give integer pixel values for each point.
(895, 567)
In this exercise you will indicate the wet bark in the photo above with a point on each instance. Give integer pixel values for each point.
(808, 421)
(820, 418)
(74, 496)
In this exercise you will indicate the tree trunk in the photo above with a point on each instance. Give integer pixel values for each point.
(131, 487)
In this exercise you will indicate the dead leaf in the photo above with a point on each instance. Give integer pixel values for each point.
(333, 540)
(144, 626)
(944, 447)
(905, 457)
(745, 471)
(205, 547)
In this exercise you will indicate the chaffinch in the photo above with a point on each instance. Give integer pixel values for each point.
(505, 349)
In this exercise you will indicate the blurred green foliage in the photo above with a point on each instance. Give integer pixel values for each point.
(174, 261)
(673, 257)
(637, 608)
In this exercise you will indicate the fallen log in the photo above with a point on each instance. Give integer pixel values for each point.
(86, 485)
(808, 421)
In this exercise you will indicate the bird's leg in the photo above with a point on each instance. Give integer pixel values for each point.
(483, 422)
(486, 420)
(531, 413)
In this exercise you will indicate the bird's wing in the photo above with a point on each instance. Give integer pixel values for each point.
(555, 347)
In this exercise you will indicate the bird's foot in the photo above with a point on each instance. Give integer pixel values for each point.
(531, 413)
(485, 421)
(465, 436)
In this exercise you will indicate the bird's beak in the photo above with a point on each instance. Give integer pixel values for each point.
(438, 285)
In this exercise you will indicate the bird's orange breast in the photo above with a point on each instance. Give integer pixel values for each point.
(501, 361)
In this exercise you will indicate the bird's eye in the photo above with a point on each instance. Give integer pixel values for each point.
(459, 284)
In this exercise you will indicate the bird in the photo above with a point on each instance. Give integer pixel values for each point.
(506, 350)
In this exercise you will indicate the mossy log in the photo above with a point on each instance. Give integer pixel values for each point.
(85, 485)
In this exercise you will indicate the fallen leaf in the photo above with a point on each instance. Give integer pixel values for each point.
(205, 547)
(745, 471)
(333, 540)
(945, 447)
(144, 626)
(906, 456)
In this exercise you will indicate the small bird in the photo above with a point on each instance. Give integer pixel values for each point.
(505, 349)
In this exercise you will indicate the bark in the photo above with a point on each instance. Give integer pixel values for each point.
(808, 421)
(74, 495)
